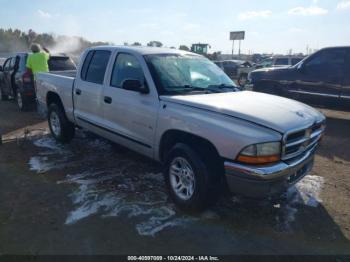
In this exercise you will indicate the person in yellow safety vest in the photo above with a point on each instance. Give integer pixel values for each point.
(38, 61)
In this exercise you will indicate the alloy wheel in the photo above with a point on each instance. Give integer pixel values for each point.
(182, 178)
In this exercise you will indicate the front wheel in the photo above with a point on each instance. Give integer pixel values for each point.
(188, 178)
(61, 129)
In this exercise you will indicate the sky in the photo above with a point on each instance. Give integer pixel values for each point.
(272, 26)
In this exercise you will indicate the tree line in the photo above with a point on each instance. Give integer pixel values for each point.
(15, 40)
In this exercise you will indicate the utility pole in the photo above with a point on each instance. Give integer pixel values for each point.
(239, 50)
(237, 35)
(233, 47)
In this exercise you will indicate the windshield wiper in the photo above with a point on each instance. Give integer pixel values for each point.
(189, 89)
(223, 87)
(194, 88)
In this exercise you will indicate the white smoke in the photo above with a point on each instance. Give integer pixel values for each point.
(66, 45)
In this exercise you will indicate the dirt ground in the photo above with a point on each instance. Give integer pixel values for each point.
(94, 197)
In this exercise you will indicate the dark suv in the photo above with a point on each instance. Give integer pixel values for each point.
(17, 82)
(323, 78)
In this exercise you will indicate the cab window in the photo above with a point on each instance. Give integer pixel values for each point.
(330, 61)
(126, 67)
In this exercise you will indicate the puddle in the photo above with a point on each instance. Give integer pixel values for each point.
(305, 193)
(110, 182)
(111, 188)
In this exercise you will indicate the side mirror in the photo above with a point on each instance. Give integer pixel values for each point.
(135, 85)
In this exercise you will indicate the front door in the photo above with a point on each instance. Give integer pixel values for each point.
(321, 77)
(345, 93)
(130, 115)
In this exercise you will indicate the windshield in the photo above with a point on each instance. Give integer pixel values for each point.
(175, 73)
(58, 63)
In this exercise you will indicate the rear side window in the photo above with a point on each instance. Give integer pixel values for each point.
(61, 63)
(94, 67)
(281, 61)
(86, 64)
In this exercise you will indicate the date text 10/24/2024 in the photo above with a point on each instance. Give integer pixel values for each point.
(173, 258)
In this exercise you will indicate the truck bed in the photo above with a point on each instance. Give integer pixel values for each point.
(68, 73)
(58, 82)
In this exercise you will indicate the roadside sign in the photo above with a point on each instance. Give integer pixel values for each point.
(237, 35)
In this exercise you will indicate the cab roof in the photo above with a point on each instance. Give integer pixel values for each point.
(143, 50)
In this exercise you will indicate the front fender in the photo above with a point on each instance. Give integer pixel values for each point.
(228, 135)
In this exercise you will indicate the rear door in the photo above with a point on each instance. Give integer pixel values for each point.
(88, 90)
(5, 84)
(8, 71)
(321, 77)
(130, 116)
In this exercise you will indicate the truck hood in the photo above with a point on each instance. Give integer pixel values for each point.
(278, 113)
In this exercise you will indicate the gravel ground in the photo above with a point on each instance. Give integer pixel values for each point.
(94, 197)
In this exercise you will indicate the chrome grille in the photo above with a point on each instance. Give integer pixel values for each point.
(296, 143)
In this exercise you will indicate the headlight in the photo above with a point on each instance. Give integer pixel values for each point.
(261, 153)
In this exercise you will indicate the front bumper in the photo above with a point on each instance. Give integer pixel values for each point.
(267, 181)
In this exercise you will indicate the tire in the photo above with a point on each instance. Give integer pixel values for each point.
(61, 129)
(184, 169)
(21, 102)
(242, 80)
(3, 96)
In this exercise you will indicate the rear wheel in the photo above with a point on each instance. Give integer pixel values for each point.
(61, 129)
(188, 178)
(22, 102)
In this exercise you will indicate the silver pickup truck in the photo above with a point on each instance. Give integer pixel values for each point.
(180, 109)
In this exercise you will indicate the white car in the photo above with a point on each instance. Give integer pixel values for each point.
(180, 109)
(279, 61)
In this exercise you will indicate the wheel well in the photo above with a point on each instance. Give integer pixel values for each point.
(201, 145)
(53, 98)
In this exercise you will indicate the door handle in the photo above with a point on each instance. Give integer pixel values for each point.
(108, 100)
(78, 92)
